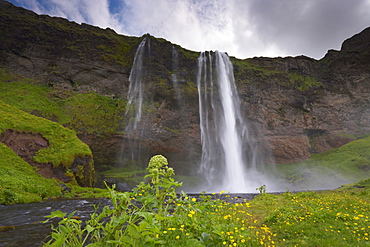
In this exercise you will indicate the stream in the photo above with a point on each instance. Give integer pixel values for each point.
(27, 219)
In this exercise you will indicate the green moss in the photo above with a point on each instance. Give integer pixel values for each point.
(172, 130)
(64, 144)
(131, 174)
(84, 192)
(246, 71)
(85, 113)
(19, 92)
(189, 88)
(119, 52)
(93, 113)
(19, 183)
(303, 83)
(187, 54)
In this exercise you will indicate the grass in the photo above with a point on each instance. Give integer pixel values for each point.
(330, 218)
(84, 113)
(132, 175)
(19, 183)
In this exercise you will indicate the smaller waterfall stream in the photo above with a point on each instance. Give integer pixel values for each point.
(228, 155)
(135, 90)
(175, 77)
(131, 151)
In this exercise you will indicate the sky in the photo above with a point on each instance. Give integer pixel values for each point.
(242, 28)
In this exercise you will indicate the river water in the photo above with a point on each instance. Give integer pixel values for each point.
(27, 219)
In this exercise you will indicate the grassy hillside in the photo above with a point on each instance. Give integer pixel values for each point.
(19, 183)
(64, 144)
(346, 164)
(84, 113)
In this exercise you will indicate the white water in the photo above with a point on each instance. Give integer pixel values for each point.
(225, 139)
(135, 90)
(131, 151)
(174, 76)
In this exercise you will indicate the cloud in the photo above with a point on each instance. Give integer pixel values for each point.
(297, 27)
(94, 12)
(240, 27)
(195, 24)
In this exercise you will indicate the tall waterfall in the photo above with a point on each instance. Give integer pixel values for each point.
(228, 155)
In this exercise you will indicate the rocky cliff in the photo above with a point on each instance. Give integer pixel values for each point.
(295, 106)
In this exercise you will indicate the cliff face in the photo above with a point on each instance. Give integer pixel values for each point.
(295, 106)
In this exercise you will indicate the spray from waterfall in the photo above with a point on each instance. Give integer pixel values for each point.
(229, 156)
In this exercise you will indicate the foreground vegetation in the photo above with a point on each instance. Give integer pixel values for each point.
(153, 215)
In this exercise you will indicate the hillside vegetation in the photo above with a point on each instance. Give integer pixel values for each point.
(85, 113)
(345, 164)
(19, 182)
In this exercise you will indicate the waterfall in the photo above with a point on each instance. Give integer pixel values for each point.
(228, 153)
(135, 90)
(131, 149)
(175, 77)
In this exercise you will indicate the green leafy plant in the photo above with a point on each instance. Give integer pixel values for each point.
(262, 189)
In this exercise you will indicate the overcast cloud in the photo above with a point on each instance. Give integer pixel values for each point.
(243, 28)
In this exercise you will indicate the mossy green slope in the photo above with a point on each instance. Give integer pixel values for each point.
(64, 144)
(84, 113)
(19, 183)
